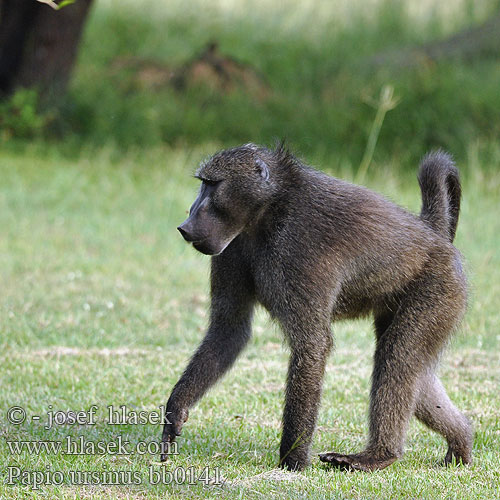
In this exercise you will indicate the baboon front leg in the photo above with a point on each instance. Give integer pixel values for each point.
(232, 305)
(214, 356)
(405, 350)
(302, 398)
(435, 409)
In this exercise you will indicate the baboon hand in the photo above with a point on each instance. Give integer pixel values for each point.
(174, 420)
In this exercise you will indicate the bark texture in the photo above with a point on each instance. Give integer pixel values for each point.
(38, 45)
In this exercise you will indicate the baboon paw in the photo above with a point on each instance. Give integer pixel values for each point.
(172, 428)
(166, 441)
(165, 447)
(358, 461)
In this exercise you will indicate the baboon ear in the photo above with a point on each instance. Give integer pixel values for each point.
(262, 168)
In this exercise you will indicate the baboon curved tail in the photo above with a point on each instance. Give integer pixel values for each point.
(440, 185)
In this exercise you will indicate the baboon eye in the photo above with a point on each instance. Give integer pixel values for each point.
(210, 182)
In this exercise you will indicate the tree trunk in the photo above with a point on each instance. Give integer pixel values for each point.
(38, 45)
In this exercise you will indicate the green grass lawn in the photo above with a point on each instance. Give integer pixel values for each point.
(102, 303)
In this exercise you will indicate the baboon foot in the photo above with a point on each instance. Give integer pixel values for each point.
(359, 461)
(296, 460)
(293, 465)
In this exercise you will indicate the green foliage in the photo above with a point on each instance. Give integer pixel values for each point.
(64, 3)
(57, 6)
(313, 58)
(316, 65)
(20, 117)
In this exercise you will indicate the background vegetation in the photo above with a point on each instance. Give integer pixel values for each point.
(102, 303)
(315, 82)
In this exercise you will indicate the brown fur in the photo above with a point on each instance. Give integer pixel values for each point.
(312, 249)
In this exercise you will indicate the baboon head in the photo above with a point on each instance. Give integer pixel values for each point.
(236, 185)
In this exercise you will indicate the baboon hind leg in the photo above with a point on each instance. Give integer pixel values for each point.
(435, 409)
(405, 350)
(384, 317)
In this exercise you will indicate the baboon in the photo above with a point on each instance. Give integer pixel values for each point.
(313, 249)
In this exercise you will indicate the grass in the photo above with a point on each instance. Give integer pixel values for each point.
(102, 304)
